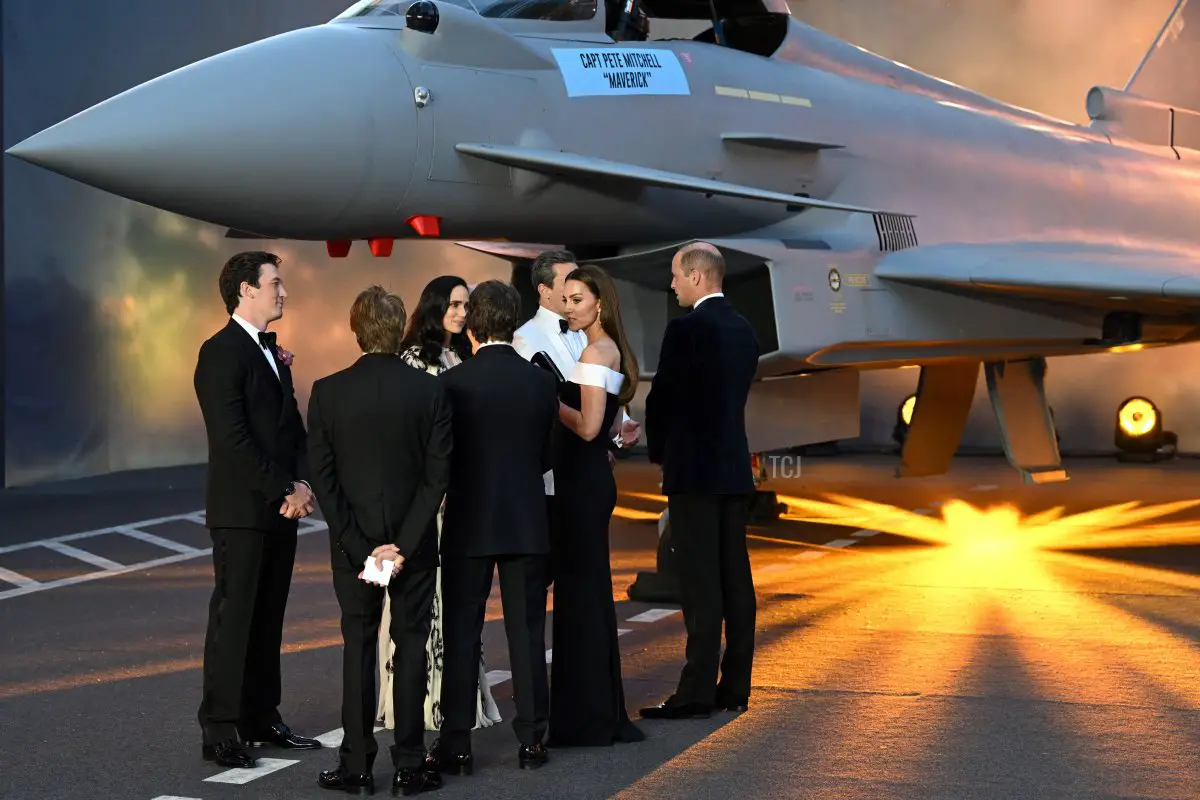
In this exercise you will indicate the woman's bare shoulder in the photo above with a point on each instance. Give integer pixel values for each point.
(603, 352)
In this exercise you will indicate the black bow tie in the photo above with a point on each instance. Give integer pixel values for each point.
(563, 325)
(266, 339)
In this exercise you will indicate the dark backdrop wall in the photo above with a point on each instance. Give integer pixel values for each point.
(105, 302)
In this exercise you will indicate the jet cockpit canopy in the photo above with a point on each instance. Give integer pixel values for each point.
(752, 26)
(703, 9)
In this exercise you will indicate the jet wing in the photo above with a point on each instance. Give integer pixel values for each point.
(1102, 275)
(511, 251)
(236, 234)
(555, 163)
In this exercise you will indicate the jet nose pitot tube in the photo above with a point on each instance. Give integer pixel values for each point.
(309, 132)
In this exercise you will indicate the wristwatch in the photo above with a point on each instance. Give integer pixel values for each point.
(291, 489)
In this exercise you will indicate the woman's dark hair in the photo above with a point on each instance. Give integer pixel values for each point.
(425, 328)
(602, 287)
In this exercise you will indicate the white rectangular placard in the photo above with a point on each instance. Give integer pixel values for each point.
(590, 71)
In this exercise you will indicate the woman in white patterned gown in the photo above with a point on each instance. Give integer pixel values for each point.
(435, 341)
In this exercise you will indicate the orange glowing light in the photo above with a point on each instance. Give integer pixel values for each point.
(1137, 417)
(621, 512)
(929, 622)
(965, 526)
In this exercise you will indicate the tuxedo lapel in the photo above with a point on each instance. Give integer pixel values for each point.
(285, 375)
(285, 390)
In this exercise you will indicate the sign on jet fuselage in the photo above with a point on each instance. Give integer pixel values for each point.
(590, 71)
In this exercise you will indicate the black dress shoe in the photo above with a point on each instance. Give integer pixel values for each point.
(670, 710)
(228, 753)
(414, 781)
(737, 706)
(341, 779)
(282, 736)
(531, 756)
(442, 759)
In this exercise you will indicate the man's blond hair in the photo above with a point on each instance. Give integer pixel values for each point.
(377, 319)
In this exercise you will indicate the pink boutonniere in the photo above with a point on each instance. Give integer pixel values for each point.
(285, 357)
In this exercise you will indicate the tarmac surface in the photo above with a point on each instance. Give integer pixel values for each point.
(965, 636)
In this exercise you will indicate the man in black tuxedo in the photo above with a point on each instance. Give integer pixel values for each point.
(379, 444)
(255, 494)
(504, 411)
(696, 429)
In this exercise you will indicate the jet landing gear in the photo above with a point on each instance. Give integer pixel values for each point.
(662, 585)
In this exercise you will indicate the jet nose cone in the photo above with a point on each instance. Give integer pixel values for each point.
(296, 136)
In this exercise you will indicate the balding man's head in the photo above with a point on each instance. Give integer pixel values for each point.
(697, 269)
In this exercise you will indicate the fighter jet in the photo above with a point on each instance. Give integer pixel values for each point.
(872, 216)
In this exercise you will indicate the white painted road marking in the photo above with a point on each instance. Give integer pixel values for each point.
(174, 797)
(91, 576)
(984, 487)
(243, 775)
(865, 533)
(83, 555)
(497, 676)
(808, 555)
(58, 544)
(166, 544)
(842, 543)
(194, 516)
(16, 580)
(333, 739)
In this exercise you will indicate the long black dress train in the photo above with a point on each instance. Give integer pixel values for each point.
(587, 699)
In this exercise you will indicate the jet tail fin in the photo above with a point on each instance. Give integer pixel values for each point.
(1170, 71)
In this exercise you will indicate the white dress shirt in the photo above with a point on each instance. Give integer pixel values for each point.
(544, 333)
(253, 331)
(702, 299)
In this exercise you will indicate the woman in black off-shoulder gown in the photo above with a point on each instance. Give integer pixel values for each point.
(587, 699)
